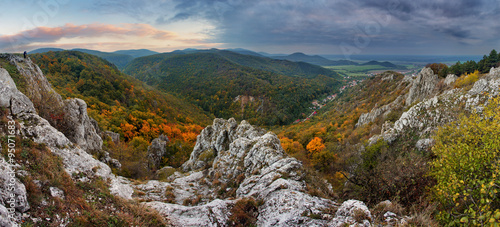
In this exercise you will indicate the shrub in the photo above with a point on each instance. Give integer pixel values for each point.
(244, 213)
(467, 79)
(467, 168)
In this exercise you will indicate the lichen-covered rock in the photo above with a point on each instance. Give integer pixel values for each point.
(113, 163)
(352, 212)
(156, 151)
(422, 87)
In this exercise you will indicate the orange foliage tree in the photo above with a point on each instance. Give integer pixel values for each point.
(315, 146)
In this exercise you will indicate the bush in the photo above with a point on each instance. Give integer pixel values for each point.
(467, 169)
(467, 79)
(244, 213)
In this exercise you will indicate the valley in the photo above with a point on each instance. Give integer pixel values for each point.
(329, 136)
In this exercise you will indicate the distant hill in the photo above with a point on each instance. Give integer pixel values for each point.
(246, 52)
(119, 58)
(275, 91)
(315, 59)
(43, 50)
(136, 53)
(107, 90)
(384, 64)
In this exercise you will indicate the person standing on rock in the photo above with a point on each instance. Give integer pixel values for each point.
(25, 54)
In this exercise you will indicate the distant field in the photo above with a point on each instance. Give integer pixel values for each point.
(362, 70)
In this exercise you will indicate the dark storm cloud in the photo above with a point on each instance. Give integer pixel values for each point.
(240, 23)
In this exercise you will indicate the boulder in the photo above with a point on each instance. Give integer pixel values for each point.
(156, 151)
(56, 192)
(352, 212)
(450, 79)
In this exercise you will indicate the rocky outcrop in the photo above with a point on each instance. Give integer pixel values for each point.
(76, 124)
(424, 117)
(422, 86)
(374, 113)
(156, 151)
(115, 137)
(80, 129)
(230, 162)
(76, 161)
(352, 212)
(450, 79)
(12, 98)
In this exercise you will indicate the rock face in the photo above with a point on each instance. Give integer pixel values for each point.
(423, 86)
(427, 115)
(77, 125)
(36, 128)
(81, 130)
(115, 137)
(156, 151)
(12, 98)
(238, 161)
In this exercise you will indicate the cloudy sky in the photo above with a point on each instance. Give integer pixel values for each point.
(345, 27)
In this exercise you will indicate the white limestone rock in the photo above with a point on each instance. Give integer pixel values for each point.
(352, 212)
(450, 79)
(215, 213)
(423, 86)
(81, 129)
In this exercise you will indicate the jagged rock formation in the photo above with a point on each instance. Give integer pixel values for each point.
(423, 86)
(76, 125)
(81, 129)
(77, 163)
(238, 161)
(426, 116)
(156, 151)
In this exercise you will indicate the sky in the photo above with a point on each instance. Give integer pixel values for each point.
(343, 27)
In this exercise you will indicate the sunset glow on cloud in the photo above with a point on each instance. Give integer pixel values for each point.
(97, 34)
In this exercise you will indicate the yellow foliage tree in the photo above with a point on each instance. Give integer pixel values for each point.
(467, 79)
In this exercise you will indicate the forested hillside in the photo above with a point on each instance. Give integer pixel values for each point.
(123, 104)
(277, 91)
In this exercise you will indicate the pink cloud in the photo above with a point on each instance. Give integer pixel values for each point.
(48, 35)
